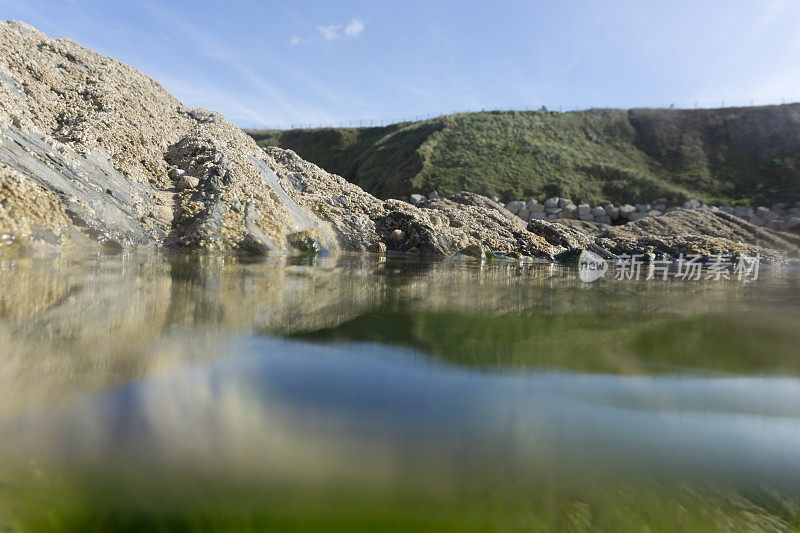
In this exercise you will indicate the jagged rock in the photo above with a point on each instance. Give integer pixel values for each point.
(111, 151)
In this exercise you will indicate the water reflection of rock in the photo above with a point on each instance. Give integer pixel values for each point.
(91, 321)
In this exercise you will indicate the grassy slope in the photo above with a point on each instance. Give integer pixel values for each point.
(718, 155)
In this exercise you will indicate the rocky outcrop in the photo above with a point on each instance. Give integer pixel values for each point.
(93, 151)
(703, 232)
(120, 161)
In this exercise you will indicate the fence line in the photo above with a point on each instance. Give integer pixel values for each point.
(374, 122)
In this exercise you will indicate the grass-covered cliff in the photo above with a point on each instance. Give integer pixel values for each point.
(745, 155)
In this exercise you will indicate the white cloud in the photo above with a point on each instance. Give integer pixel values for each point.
(295, 40)
(330, 33)
(354, 28)
(351, 30)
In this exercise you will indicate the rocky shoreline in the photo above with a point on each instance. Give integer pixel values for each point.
(94, 152)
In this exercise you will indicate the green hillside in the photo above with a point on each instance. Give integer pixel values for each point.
(733, 155)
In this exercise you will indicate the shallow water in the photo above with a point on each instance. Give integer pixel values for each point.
(147, 391)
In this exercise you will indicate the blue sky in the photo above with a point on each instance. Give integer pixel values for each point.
(282, 63)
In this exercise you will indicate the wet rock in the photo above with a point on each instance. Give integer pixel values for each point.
(377, 247)
(474, 250)
(398, 237)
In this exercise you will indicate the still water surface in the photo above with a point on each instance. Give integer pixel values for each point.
(197, 392)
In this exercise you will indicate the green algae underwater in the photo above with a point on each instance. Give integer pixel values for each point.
(184, 392)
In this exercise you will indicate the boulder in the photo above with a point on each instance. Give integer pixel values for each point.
(776, 224)
(416, 198)
(515, 206)
(570, 211)
(475, 250)
(769, 215)
(626, 211)
(691, 204)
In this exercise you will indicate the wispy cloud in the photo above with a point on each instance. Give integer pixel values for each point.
(354, 28)
(264, 103)
(330, 33)
(351, 30)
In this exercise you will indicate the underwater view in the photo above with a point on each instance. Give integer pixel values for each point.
(168, 391)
